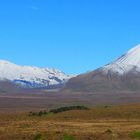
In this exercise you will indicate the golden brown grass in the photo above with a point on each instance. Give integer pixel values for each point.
(99, 123)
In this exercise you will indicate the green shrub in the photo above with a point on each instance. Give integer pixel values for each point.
(68, 137)
(40, 113)
(106, 106)
(63, 109)
(41, 136)
(135, 135)
(58, 110)
(37, 137)
(109, 131)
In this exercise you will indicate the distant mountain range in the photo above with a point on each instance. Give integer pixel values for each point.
(115, 83)
(121, 75)
(31, 77)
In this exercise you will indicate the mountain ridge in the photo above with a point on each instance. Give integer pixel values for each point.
(31, 76)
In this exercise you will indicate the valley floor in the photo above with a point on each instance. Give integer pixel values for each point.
(119, 122)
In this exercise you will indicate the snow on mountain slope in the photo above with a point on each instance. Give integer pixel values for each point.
(31, 76)
(121, 75)
(126, 63)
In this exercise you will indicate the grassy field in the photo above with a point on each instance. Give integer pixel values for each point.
(98, 123)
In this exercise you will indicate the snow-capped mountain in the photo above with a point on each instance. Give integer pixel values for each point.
(126, 63)
(33, 77)
(122, 74)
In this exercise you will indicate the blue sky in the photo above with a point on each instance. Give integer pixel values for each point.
(74, 36)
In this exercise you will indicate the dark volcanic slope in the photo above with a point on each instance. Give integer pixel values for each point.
(98, 81)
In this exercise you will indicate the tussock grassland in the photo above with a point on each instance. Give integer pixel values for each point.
(98, 123)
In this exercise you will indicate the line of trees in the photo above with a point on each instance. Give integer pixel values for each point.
(58, 110)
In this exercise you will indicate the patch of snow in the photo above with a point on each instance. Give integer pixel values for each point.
(34, 75)
(126, 63)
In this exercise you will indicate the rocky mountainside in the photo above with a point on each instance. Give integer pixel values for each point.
(121, 75)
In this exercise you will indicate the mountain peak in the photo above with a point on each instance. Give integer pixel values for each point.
(127, 62)
(121, 75)
(132, 57)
